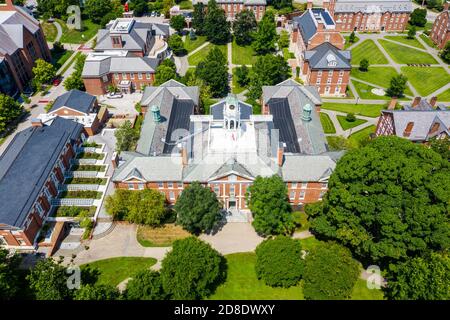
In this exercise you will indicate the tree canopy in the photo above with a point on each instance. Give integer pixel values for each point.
(244, 26)
(386, 201)
(397, 86)
(9, 278)
(43, 72)
(75, 81)
(198, 18)
(178, 22)
(176, 44)
(213, 71)
(192, 270)
(266, 36)
(279, 262)
(445, 53)
(330, 273)
(216, 26)
(137, 206)
(10, 109)
(97, 9)
(97, 292)
(418, 17)
(420, 278)
(126, 137)
(268, 202)
(198, 209)
(145, 285)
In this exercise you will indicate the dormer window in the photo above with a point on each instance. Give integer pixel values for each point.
(331, 60)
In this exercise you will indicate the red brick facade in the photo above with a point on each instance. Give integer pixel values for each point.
(99, 86)
(24, 237)
(328, 82)
(358, 21)
(233, 8)
(440, 33)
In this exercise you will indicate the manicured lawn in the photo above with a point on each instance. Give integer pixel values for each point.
(202, 53)
(403, 39)
(426, 80)
(444, 96)
(190, 45)
(73, 36)
(327, 125)
(242, 55)
(360, 136)
(347, 124)
(405, 55)
(301, 219)
(113, 271)
(427, 40)
(50, 31)
(255, 104)
(361, 292)
(369, 50)
(377, 75)
(242, 284)
(287, 54)
(347, 43)
(368, 110)
(365, 91)
(236, 87)
(162, 236)
(185, 5)
(309, 243)
(58, 59)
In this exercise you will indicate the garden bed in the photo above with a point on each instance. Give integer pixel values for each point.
(81, 194)
(90, 155)
(162, 236)
(88, 167)
(73, 211)
(79, 180)
(91, 145)
(327, 125)
(349, 124)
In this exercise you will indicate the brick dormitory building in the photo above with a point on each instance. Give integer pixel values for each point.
(31, 169)
(233, 7)
(22, 42)
(227, 149)
(440, 32)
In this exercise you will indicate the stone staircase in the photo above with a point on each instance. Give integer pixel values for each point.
(235, 215)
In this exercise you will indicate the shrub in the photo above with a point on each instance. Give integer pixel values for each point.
(90, 145)
(83, 194)
(350, 117)
(88, 167)
(76, 180)
(278, 261)
(145, 285)
(364, 65)
(192, 270)
(72, 211)
(330, 273)
(97, 292)
(90, 155)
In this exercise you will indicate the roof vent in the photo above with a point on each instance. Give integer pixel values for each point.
(306, 115)
(156, 113)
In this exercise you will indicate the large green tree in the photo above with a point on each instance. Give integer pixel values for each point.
(330, 273)
(9, 111)
(43, 72)
(280, 4)
(244, 26)
(126, 137)
(97, 292)
(97, 9)
(177, 45)
(48, 280)
(192, 270)
(266, 36)
(198, 18)
(178, 22)
(397, 86)
(137, 206)
(198, 209)
(268, 202)
(445, 53)
(9, 277)
(418, 17)
(421, 278)
(279, 262)
(387, 201)
(54, 8)
(216, 26)
(214, 72)
(441, 146)
(145, 285)
(75, 81)
(268, 70)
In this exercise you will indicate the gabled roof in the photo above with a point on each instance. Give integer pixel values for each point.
(321, 56)
(232, 166)
(307, 168)
(99, 66)
(74, 99)
(27, 163)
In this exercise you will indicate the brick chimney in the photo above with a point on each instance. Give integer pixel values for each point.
(116, 41)
(115, 160)
(36, 122)
(309, 4)
(265, 109)
(392, 104)
(416, 102)
(184, 155)
(7, 5)
(433, 101)
(408, 129)
(280, 154)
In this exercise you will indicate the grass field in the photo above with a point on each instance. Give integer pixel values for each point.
(365, 91)
(162, 236)
(242, 55)
(347, 43)
(426, 80)
(50, 31)
(60, 58)
(191, 45)
(113, 271)
(368, 110)
(377, 75)
(347, 124)
(369, 50)
(403, 39)
(444, 96)
(357, 138)
(73, 36)
(327, 125)
(185, 5)
(301, 219)
(242, 283)
(427, 40)
(236, 87)
(405, 55)
(202, 53)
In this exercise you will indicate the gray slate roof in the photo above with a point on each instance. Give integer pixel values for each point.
(319, 57)
(245, 2)
(373, 6)
(307, 23)
(74, 99)
(307, 168)
(99, 67)
(27, 163)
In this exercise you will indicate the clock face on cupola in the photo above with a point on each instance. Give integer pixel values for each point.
(231, 112)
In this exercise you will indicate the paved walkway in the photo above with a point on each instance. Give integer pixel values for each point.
(346, 133)
(58, 30)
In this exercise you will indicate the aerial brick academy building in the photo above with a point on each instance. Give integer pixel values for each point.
(22, 42)
(233, 7)
(227, 149)
(371, 15)
(31, 169)
(440, 32)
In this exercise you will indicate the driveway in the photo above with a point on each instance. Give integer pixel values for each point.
(124, 105)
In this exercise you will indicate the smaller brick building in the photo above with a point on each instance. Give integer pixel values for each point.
(327, 68)
(440, 32)
(31, 169)
(233, 7)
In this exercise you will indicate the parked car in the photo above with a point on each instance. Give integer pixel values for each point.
(114, 95)
(153, 14)
(51, 20)
(56, 81)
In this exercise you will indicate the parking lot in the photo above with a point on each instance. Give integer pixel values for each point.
(124, 105)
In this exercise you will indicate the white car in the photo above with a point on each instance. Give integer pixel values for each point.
(114, 95)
